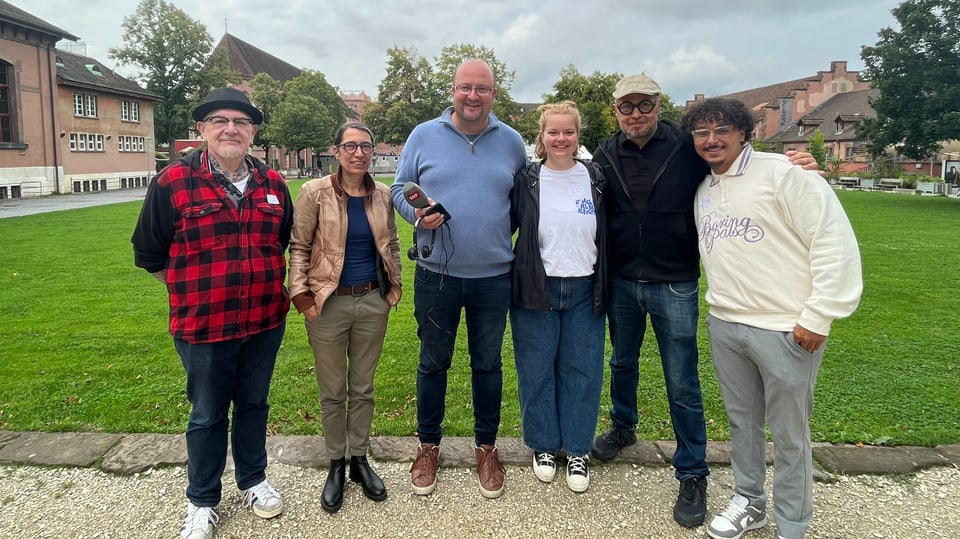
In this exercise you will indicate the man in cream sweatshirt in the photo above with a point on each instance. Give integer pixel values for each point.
(782, 263)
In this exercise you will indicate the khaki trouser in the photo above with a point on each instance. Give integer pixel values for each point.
(347, 339)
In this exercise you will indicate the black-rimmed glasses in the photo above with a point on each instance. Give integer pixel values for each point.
(220, 122)
(626, 108)
(351, 147)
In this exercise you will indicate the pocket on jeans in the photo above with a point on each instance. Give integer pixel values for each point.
(684, 289)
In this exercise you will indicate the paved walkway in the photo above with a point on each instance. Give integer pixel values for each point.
(18, 207)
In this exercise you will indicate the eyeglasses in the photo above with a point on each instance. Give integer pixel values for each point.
(626, 108)
(220, 122)
(351, 147)
(465, 89)
(719, 131)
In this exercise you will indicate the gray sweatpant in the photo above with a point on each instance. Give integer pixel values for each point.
(766, 377)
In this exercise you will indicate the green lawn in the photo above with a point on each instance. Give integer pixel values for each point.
(84, 343)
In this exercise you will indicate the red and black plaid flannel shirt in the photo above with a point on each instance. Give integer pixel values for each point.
(225, 265)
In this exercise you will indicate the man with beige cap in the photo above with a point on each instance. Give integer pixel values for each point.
(653, 170)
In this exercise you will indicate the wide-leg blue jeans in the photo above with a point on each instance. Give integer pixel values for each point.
(559, 359)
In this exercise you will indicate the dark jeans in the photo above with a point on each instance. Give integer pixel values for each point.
(438, 301)
(674, 312)
(237, 371)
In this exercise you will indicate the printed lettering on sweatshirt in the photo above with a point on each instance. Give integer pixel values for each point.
(715, 228)
(585, 206)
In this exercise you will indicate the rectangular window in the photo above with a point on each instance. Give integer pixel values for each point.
(73, 142)
(125, 111)
(78, 104)
(126, 143)
(92, 106)
(81, 142)
(6, 103)
(139, 144)
(134, 111)
(99, 143)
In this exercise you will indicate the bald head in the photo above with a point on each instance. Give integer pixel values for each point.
(473, 92)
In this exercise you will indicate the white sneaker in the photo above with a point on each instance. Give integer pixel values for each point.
(578, 473)
(264, 499)
(199, 522)
(544, 466)
(737, 518)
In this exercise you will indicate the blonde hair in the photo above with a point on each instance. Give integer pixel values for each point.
(565, 107)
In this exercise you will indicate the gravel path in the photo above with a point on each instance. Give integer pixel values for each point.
(624, 500)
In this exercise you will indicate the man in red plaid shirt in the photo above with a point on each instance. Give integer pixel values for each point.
(214, 227)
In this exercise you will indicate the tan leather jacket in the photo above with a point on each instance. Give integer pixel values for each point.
(319, 235)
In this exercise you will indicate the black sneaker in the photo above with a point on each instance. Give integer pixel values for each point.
(691, 506)
(609, 444)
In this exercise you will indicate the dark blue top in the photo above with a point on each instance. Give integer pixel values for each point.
(360, 258)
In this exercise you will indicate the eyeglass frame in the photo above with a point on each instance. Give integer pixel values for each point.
(366, 148)
(215, 121)
(467, 89)
(637, 106)
(704, 133)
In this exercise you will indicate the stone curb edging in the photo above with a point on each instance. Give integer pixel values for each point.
(126, 454)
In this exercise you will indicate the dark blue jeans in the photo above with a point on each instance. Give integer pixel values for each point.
(674, 312)
(218, 374)
(438, 301)
(559, 358)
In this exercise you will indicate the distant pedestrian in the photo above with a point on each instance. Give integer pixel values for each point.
(782, 264)
(214, 227)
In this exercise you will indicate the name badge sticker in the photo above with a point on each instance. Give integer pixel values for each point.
(272, 199)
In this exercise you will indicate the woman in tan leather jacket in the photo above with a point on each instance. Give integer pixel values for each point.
(344, 278)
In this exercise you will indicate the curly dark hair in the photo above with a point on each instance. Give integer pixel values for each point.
(721, 111)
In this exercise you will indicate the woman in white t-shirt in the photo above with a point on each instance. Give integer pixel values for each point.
(558, 299)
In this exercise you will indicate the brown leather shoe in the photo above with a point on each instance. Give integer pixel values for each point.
(490, 472)
(423, 472)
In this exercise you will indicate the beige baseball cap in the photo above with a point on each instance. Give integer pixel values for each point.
(636, 84)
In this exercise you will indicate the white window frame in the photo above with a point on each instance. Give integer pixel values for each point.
(99, 139)
(73, 142)
(91, 106)
(81, 142)
(134, 111)
(78, 104)
(125, 110)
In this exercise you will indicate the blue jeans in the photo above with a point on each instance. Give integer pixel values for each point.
(438, 301)
(559, 358)
(237, 371)
(674, 312)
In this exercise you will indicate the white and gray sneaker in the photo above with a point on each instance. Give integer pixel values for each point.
(737, 518)
(578, 473)
(199, 522)
(544, 466)
(263, 499)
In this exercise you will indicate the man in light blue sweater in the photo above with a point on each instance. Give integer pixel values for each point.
(466, 160)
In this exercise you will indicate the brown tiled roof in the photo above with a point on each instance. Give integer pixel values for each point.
(849, 107)
(15, 15)
(250, 60)
(73, 70)
(769, 95)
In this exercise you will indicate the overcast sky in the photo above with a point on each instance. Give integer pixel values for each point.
(688, 46)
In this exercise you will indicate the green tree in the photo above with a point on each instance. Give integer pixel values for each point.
(267, 93)
(406, 96)
(299, 122)
(172, 53)
(917, 71)
(593, 96)
(452, 56)
(817, 148)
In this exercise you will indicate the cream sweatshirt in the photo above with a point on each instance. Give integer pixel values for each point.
(776, 245)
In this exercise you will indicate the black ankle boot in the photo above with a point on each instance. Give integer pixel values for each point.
(361, 472)
(332, 497)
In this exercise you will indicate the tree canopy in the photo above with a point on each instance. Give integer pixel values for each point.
(917, 70)
(172, 52)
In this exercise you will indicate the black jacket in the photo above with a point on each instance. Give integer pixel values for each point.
(529, 279)
(661, 244)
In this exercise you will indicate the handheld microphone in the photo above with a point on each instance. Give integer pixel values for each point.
(418, 199)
